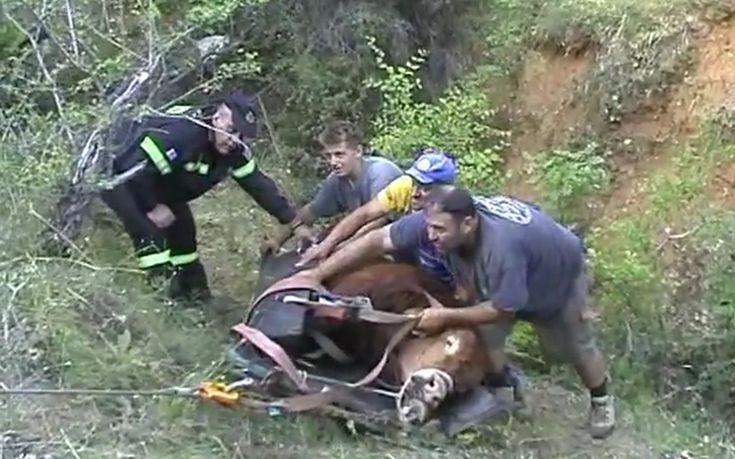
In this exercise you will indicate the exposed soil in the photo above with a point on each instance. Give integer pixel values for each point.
(544, 112)
(558, 428)
(705, 89)
(547, 112)
(723, 185)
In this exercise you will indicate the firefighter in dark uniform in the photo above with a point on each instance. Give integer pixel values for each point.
(180, 157)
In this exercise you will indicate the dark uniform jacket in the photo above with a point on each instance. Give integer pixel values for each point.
(182, 164)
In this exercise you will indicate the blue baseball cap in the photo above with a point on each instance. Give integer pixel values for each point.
(433, 166)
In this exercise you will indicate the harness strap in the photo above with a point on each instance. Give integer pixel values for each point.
(274, 351)
(289, 283)
(330, 347)
(306, 402)
(311, 401)
(293, 404)
(397, 338)
(341, 312)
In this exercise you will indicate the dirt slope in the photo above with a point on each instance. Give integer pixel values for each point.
(548, 111)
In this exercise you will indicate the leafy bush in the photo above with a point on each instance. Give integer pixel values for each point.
(207, 13)
(710, 343)
(568, 176)
(460, 121)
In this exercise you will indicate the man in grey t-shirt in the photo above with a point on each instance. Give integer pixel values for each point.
(355, 180)
(340, 193)
(517, 264)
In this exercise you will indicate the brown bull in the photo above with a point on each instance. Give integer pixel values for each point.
(427, 368)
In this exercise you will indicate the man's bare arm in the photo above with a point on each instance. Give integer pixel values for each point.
(481, 313)
(375, 224)
(375, 243)
(304, 217)
(349, 225)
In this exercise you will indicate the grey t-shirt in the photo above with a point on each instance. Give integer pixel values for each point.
(524, 261)
(337, 194)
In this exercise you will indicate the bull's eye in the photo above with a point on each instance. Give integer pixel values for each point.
(451, 345)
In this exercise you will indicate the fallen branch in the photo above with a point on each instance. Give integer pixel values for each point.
(72, 29)
(69, 445)
(676, 237)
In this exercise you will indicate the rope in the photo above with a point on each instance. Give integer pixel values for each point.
(177, 391)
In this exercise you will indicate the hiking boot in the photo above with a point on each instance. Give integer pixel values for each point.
(189, 284)
(602, 416)
(155, 276)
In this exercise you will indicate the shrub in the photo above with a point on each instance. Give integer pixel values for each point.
(460, 121)
(568, 176)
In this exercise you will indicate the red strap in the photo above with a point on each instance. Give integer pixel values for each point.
(306, 402)
(397, 338)
(290, 283)
(274, 351)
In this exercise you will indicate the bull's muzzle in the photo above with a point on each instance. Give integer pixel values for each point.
(421, 394)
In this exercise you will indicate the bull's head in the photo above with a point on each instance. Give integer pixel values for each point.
(433, 368)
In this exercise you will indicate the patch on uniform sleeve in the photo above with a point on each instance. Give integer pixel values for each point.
(250, 117)
(507, 208)
(172, 154)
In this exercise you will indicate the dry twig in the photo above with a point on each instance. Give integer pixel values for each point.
(676, 237)
(47, 75)
(69, 444)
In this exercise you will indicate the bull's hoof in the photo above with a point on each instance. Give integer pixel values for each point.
(470, 409)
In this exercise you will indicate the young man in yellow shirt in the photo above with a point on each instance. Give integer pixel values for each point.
(402, 196)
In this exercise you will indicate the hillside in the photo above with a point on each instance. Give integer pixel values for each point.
(615, 115)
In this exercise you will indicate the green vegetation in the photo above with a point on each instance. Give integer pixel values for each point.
(460, 121)
(568, 177)
(663, 270)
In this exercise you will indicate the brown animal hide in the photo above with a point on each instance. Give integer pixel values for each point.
(398, 287)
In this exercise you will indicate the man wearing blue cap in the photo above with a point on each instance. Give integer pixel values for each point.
(184, 154)
(431, 168)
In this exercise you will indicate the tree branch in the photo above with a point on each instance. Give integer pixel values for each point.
(72, 30)
(47, 75)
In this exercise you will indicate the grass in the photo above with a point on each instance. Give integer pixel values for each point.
(663, 293)
(80, 324)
